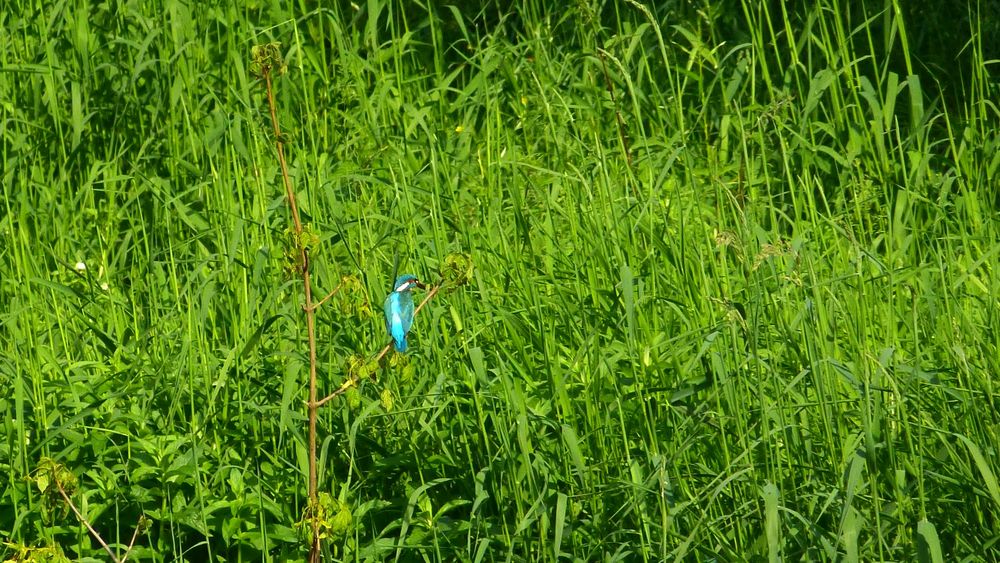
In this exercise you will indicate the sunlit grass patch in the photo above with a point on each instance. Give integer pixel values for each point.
(728, 281)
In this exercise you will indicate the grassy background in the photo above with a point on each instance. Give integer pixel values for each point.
(735, 294)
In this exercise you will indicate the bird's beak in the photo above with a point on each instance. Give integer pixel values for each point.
(419, 284)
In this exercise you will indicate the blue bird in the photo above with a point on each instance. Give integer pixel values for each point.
(398, 308)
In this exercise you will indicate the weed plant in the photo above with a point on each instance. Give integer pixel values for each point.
(734, 297)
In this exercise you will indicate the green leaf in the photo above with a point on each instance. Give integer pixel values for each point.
(928, 544)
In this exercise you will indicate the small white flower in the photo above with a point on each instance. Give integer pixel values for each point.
(104, 286)
(81, 267)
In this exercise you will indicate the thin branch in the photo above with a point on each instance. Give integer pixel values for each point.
(281, 153)
(135, 535)
(329, 295)
(428, 297)
(353, 380)
(93, 532)
(622, 133)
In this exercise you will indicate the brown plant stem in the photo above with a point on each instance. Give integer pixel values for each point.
(135, 535)
(622, 132)
(329, 295)
(93, 532)
(310, 311)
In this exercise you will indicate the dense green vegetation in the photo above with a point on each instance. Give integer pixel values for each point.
(734, 297)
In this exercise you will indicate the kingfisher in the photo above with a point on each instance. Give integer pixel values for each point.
(398, 308)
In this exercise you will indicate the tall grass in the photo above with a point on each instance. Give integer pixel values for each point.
(735, 291)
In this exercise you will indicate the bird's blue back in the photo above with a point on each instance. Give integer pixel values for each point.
(398, 309)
